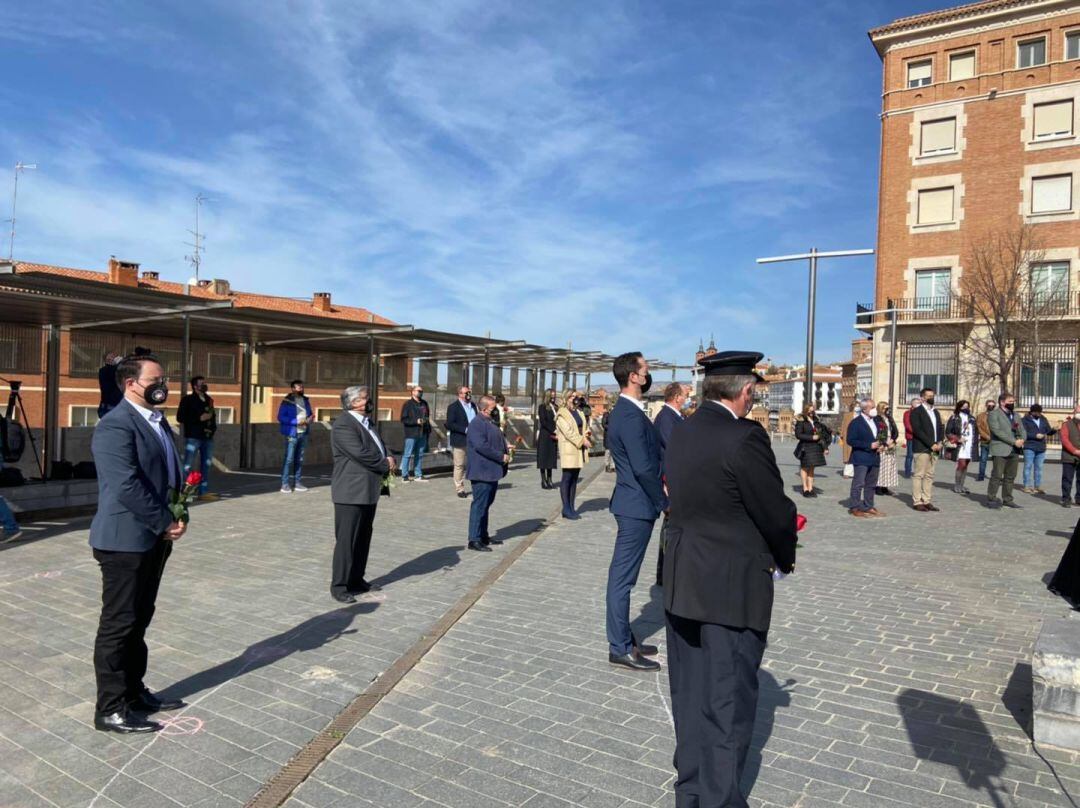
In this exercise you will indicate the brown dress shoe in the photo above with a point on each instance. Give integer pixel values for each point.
(875, 512)
(921, 507)
(861, 514)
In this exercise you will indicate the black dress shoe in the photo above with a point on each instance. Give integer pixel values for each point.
(147, 702)
(930, 507)
(346, 598)
(488, 541)
(646, 650)
(479, 547)
(124, 722)
(634, 662)
(364, 588)
(1013, 505)
(462, 495)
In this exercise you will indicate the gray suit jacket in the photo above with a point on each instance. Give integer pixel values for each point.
(133, 482)
(358, 464)
(1002, 433)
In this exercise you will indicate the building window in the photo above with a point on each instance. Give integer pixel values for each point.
(933, 288)
(1054, 119)
(962, 66)
(84, 416)
(1048, 375)
(327, 414)
(919, 73)
(1051, 194)
(294, 369)
(1031, 53)
(931, 364)
(221, 367)
(938, 137)
(935, 206)
(1050, 282)
(224, 415)
(1072, 45)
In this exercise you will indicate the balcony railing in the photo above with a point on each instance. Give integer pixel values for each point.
(962, 307)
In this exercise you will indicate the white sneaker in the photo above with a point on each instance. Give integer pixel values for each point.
(13, 536)
(286, 490)
(300, 488)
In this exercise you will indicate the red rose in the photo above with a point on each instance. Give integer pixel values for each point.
(193, 479)
(800, 522)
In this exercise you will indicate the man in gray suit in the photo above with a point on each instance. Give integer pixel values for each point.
(360, 463)
(1006, 441)
(132, 535)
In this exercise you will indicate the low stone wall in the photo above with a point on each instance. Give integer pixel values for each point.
(1055, 673)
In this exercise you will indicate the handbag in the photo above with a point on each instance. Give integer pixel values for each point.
(849, 470)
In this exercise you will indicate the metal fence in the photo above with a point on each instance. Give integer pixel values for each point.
(1046, 374)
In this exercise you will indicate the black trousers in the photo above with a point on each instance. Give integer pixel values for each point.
(129, 587)
(352, 527)
(714, 691)
(568, 489)
(1068, 474)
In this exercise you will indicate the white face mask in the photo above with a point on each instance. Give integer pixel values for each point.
(873, 412)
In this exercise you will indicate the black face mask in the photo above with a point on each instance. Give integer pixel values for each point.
(1009, 407)
(580, 402)
(647, 384)
(468, 396)
(202, 388)
(156, 394)
(966, 411)
(930, 401)
(368, 408)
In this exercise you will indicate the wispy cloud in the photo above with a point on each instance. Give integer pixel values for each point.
(590, 172)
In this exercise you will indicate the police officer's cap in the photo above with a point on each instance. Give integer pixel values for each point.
(732, 363)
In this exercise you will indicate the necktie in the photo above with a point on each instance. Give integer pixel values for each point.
(156, 420)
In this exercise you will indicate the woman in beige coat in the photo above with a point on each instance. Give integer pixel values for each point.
(575, 440)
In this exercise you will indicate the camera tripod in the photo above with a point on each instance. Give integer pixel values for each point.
(15, 400)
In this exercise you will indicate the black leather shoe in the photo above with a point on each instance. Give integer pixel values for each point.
(634, 662)
(147, 702)
(486, 542)
(934, 508)
(125, 723)
(480, 548)
(646, 650)
(346, 598)
(364, 588)
(1013, 505)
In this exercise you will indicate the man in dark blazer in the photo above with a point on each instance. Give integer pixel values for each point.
(487, 462)
(732, 527)
(636, 502)
(458, 417)
(132, 536)
(670, 415)
(360, 463)
(927, 434)
(866, 458)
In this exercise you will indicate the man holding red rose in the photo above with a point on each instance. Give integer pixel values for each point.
(132, 534)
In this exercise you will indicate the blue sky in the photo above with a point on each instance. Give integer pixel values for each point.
(603, 173)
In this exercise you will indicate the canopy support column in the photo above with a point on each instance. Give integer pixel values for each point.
(52, 451)
(247, 444)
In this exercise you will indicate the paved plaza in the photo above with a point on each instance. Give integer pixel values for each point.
(897, 672)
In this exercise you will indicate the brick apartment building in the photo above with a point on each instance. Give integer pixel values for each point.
(980, 135)
(22, 351)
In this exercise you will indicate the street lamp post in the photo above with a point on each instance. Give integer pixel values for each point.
(811, 303)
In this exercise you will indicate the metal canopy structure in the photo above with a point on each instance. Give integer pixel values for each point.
(61, 303)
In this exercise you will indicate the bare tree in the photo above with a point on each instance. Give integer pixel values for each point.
(1006, 309)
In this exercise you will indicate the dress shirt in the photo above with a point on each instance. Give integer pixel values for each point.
(675, 410)
(636, 401)
(870, 422)
(470, 410)
(933, 420)
(365, 422)
(155, 418)
(726, 407)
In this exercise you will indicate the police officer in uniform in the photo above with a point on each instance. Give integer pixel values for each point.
(731, 527)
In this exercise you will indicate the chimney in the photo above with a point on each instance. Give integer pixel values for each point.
(321, 301)
(150, 276)
(221, 287)
(123, 273)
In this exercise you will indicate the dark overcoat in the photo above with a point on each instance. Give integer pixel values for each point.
(547, 444)
(731, 525)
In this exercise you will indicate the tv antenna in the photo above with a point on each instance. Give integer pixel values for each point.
(197, 248)
(19, 167)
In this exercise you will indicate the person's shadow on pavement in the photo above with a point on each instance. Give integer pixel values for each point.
(771, 696)
(313, 633)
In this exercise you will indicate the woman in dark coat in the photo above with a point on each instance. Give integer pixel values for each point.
(1066, 580)
(547, 441)
(814, 439)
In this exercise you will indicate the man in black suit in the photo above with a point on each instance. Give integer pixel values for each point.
(670, 415)
(926, 445)
(132, 535)
(732, 527)
(360, 463)
(458, 417)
